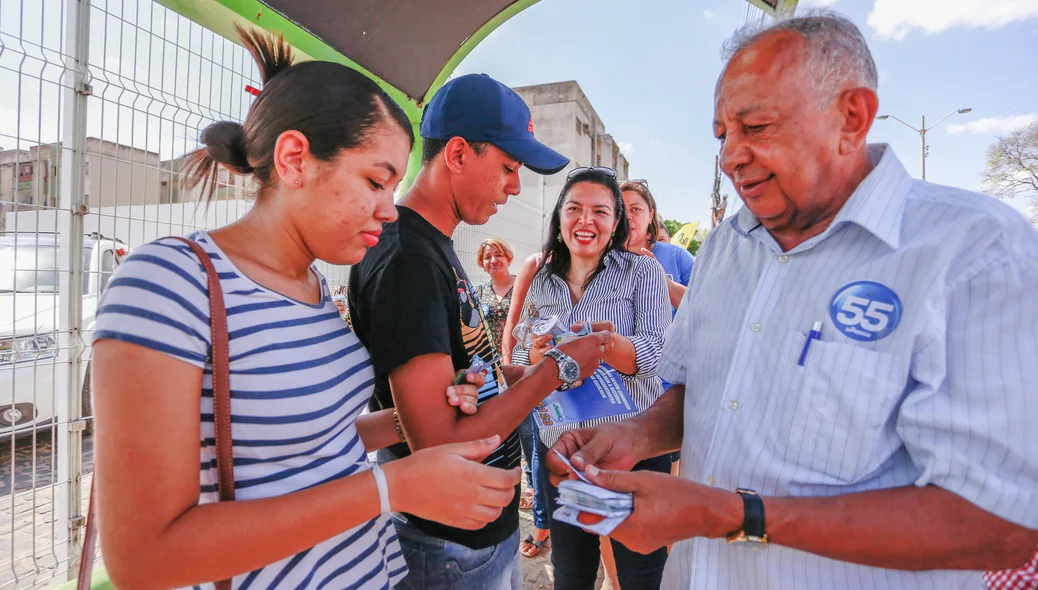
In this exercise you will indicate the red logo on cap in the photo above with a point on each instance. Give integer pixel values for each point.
(531, 125)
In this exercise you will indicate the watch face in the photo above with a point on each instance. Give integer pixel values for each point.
(570, 370)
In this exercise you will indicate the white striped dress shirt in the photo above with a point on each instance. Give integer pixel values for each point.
(631, 292)
(924, 373)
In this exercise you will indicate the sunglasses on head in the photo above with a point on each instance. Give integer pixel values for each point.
(600, 169)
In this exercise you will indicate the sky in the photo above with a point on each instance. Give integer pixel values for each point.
(649, 68)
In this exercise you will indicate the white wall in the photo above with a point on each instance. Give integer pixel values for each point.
(140, 224)
(519, 223)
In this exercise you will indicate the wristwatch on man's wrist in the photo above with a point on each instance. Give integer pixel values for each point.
(569, 370)
(752, 534)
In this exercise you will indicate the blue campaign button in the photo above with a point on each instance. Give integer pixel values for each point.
(865, 310)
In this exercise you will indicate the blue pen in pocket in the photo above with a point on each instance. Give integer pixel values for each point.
(815, 334)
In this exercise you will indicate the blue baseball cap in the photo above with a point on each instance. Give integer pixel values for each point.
(475, 107)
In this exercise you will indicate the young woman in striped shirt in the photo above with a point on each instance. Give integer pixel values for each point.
(327, 148)
(587, 275)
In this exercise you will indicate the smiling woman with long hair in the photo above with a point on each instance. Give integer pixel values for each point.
(587, 275)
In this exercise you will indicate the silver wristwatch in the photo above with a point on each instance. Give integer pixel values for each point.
(569, 370)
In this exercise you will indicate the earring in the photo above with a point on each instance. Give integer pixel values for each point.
(612, 235)
(558, 238)
(296, 182)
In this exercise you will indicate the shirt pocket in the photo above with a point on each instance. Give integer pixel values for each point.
(835, 413)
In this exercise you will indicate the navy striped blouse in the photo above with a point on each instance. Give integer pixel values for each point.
(299, 379)
(631, 292)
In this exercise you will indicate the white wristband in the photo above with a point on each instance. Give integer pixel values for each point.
(383, 489)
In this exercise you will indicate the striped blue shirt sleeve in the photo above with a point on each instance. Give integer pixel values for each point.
(651, 315)
(974, 430)
(158, 299)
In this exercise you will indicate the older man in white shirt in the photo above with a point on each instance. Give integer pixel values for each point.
(857, 351)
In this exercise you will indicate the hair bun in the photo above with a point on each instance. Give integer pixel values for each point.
(225, 142)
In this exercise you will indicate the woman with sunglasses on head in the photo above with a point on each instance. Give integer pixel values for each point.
(587, 275)
(645, 232)
(327, 147)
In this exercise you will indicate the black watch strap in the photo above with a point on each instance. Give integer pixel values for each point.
(753, 513)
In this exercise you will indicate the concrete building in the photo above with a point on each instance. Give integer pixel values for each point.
(114, 175)
(563, 119)
(229, 186)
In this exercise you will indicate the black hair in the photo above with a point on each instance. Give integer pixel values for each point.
(432, 148)
(334, 106)
(556, 256)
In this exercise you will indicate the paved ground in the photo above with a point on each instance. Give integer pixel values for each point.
(28, 468)
(28, 525)
(27, 521)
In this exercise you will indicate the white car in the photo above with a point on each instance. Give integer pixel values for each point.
(30, 315)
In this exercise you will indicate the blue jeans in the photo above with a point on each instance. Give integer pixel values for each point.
(436, 564)
(527, 432)
(530, 442)
(576, 553)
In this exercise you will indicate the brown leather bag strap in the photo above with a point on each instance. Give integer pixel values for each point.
(221, 361)
(86, 558)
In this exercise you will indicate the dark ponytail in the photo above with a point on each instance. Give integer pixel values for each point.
(336, 107)
(272, 54)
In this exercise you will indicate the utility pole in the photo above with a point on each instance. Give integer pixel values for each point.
(922, 147)
(717, 205)
(922, 134)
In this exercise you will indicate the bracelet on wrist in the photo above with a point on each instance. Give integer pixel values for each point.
(399, 429)
(383, 489)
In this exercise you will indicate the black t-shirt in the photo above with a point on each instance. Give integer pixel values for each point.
(410, 296)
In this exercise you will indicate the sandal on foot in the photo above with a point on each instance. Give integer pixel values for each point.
(529, 547)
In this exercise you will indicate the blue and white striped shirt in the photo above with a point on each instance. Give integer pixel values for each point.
(631, 292)
(299, 379)
(924, 373)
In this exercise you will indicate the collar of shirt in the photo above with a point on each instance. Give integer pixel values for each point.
(877, 205)
(612, 258)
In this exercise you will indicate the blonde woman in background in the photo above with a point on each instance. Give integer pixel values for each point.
(495, 296)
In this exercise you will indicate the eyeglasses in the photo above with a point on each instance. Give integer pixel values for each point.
(600, 169)
(640, 181)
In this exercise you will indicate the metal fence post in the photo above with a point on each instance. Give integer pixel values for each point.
(72, 233)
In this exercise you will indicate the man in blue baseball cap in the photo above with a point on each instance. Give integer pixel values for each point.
(413, 307)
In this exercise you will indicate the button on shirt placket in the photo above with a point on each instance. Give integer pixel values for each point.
(564, 296)
(765, 301)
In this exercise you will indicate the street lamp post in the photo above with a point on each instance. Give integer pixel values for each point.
(922, 134)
